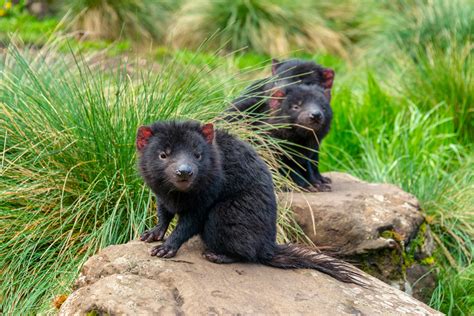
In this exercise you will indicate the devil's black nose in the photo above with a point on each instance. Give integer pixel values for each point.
(184, 171)
(316, 116)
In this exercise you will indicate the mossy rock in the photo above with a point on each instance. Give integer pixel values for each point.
(378, 226)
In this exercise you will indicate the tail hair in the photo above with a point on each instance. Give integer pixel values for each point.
(291, 256)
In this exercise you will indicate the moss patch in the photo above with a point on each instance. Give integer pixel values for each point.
(391, 265)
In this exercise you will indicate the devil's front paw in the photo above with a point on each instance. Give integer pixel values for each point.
(320, 186)
(155, 234)
(325, 180)
(164, 251)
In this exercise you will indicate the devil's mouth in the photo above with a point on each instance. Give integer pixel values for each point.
(311, 126)
(183, 184)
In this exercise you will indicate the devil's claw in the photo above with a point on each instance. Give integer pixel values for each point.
(326, 180)
(154, 234)
(163, 251)
(321, 187)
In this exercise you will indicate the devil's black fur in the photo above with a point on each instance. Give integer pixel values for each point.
(226, 196)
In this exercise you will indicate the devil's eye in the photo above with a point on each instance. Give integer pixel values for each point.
(163, 155)
(198, 156)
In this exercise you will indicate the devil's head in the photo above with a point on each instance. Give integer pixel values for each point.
(175, 156)
(307, 108)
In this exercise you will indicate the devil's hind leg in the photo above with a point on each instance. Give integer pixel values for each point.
(241, 227)
(218, 258)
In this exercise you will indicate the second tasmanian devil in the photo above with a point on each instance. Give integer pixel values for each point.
(306, 115)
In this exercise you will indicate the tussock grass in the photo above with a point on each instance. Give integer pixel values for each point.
(270, 27)
(419, 24)
(453, 294)
(68, 183)
(139, 20)
(444, 80)
(421, 137)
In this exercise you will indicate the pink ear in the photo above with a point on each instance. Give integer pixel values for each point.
(328, 76)
(276, 99)
(208, 132)
(275, 63)
(143, 135)
(327, 94)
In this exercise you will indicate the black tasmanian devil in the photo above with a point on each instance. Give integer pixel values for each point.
(300, 96)
(307, 113)
(223, 191)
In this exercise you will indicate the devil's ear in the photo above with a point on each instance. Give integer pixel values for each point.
(207, 131)
(328, 78)
(276, 99)
(275, 63)
(143, 135)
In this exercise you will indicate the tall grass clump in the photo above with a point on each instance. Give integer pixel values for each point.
(355, 20)
(425, 23)
(453, 294)
(426, 52)
(445, 79)
(68, 182)
(268, 27)
(139, 20)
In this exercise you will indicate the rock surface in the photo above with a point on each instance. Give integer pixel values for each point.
(378, 225)
(125, 279)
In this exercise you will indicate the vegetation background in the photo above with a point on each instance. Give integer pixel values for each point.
(78, 77)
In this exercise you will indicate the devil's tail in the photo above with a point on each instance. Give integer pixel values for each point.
(300, 257)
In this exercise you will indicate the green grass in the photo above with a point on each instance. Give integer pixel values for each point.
(427, 47)
(32, 30)
(26, 30)
(454, 292)
(414, 25)
(137, 20)
(445, 80)
(381, 137)
(436, 23)
(270, 27)
(68, 184)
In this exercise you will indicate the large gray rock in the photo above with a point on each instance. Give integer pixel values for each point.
(377, 225)
(126, 280)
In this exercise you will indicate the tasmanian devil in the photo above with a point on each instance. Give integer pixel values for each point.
(308, 114)
(284, 73)
(300, 95)
(223, 191)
